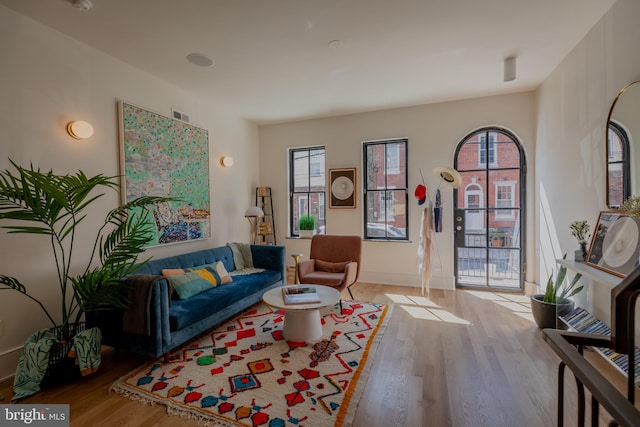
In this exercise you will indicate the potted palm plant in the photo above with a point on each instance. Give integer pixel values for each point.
(53, 205)
(555, 302)
(307, 225)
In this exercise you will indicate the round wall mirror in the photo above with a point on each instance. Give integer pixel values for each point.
(623, 157)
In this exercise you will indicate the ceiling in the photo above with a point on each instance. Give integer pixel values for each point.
(273, 62)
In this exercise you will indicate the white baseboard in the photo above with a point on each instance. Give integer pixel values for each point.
(8, 362)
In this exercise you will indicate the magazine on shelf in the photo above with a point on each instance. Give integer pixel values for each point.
(300, 295)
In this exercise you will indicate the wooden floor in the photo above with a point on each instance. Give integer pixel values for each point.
(459, 358)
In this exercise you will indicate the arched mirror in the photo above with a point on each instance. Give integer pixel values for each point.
(623, 133)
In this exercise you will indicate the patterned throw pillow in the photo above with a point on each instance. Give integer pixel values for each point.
(217, 270)
(192, 283)
(224, 275)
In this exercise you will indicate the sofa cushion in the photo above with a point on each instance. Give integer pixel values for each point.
(183, 313)
(324, 278)
(192, 259)
(192, 283)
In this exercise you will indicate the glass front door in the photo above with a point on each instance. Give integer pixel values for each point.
(489, 211)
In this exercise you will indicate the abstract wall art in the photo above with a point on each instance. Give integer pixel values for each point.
(161, 156)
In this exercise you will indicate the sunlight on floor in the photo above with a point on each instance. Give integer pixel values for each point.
(424, 308)
(520, 305)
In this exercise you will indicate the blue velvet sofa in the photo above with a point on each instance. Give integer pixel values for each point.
(173, 322)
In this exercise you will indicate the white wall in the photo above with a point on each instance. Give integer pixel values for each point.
(47, 80)
(572, 108)
(433, 132)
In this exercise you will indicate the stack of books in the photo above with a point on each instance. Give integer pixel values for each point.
(583, 321)
(300, 295)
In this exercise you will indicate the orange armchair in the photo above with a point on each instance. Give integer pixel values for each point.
(333, 261)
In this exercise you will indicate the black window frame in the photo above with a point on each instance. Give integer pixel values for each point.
(386, 189)
(293, 226)
(625, 162)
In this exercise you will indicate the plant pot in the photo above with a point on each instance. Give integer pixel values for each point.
(546, 314)
(62, 369)
(307, 234)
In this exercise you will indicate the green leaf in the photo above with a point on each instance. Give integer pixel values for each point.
(12, 283)
(550, 292)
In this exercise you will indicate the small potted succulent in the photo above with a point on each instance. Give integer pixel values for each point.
(307, 226)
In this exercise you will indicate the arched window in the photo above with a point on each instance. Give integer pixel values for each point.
(618, 167)
(490, 204)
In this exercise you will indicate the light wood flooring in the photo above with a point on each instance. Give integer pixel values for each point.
(459, 358)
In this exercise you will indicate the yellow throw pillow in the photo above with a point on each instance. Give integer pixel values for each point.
(207, 275)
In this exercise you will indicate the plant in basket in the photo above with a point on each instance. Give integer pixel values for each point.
(53, 205)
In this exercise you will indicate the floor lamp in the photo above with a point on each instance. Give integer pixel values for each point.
(252, 214)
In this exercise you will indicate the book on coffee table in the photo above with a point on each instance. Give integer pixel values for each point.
(300, 295)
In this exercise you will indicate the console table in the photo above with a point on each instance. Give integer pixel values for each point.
(569, 346)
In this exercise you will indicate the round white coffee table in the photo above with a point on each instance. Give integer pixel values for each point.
(302, 321)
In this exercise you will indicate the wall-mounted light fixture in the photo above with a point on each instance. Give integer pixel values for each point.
(80, 129)
(226, 161)
(510, 69)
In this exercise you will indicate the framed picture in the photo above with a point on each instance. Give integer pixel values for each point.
(161, 156)
(615, 244)
(342, 184)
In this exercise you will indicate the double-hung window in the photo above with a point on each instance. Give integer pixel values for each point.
(487, 147)
(505, 198)
(306, 187)
(385, 190)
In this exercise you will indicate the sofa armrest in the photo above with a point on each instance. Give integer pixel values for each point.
(110, 323)
(270, 257)
(306, 266)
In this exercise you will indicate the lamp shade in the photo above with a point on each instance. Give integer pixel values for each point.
(253, 211)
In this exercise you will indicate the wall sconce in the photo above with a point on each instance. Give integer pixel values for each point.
(252, 214)
(80, 129)
(226, 161)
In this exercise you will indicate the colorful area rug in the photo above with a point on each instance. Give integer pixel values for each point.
(246, 374)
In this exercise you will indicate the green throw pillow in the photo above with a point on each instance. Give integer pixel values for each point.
(190, 284)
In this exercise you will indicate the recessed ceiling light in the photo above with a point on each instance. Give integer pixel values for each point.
(82, 4)
(200, 59)
(336, 44)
